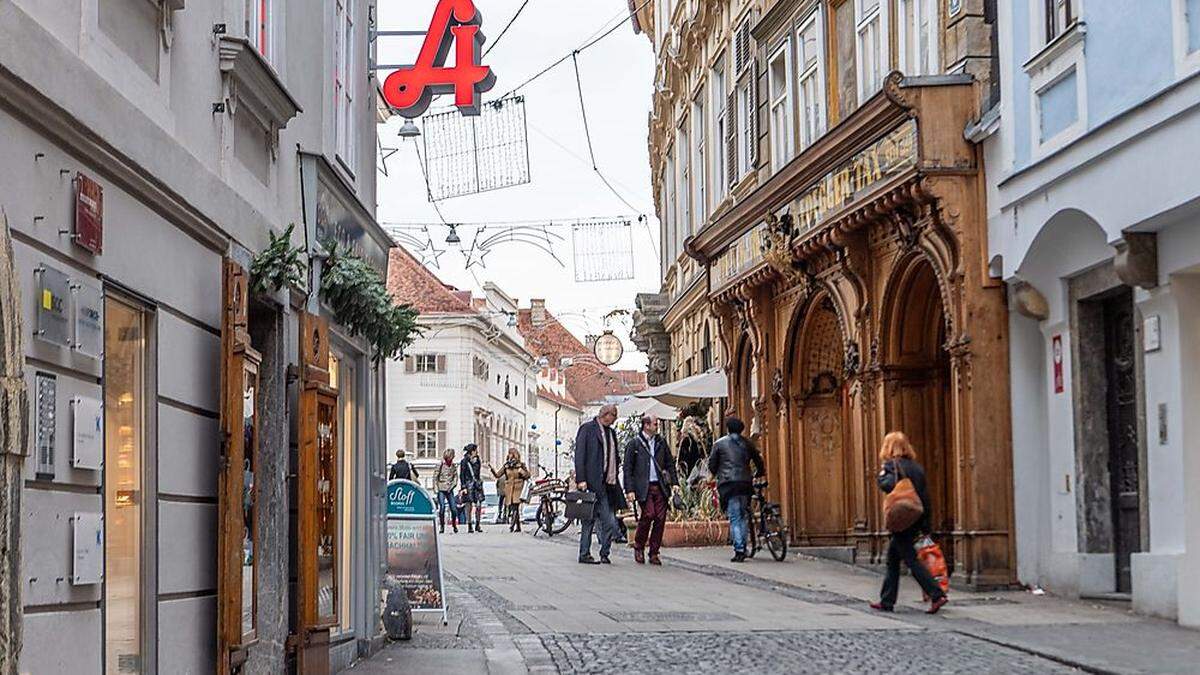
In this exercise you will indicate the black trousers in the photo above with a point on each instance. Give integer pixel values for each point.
(901, 548)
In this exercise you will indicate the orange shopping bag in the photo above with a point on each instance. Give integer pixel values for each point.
(930, 555)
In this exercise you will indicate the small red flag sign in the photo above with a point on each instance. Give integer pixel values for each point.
(89, 214)
(411, 89)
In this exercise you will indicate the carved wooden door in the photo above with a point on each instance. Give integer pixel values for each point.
(1123, 443)
(237, 521)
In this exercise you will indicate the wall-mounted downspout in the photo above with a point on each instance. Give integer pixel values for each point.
(14, 430)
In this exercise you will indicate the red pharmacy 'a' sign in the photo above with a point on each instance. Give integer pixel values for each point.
(411, 89)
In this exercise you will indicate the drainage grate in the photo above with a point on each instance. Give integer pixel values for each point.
(679, 617)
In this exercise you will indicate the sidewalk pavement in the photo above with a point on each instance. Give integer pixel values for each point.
(521, 604)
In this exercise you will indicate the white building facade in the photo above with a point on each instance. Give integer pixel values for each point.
(1094, 222)
(148, 146)
(558, 417)
(469, 379)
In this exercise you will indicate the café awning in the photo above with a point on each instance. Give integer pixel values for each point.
(710, 384)
(647, 406)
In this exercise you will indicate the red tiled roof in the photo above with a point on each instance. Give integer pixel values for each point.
(412, 283)
(587, 380)
(557, 398)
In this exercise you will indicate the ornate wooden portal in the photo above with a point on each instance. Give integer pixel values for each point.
(859, 271)
(317, 479)
(237, 520)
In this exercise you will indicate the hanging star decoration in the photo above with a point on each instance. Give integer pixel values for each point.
(429, 252)
(487, 238)
(384, 155)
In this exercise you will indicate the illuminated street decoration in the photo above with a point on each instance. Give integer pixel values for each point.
(411, 89)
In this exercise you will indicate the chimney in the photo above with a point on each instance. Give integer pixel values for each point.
(537, 312)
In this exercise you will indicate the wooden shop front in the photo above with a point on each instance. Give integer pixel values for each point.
(854, 299)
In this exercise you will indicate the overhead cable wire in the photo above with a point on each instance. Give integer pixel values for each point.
(585, 46)
(506, 27)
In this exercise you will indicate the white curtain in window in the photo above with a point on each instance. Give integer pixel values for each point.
(781, 109)
(809, 56)
(870, 47)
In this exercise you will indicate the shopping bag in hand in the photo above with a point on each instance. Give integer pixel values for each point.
(930, 555)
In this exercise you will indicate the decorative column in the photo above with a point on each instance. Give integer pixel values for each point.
(651, 336)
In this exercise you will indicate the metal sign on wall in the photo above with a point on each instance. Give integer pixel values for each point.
(53, 293)
(411, 89)
(89, 214)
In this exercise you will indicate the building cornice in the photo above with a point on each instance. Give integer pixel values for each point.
(876, 116)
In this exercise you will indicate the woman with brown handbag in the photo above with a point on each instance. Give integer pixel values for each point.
(906, 515)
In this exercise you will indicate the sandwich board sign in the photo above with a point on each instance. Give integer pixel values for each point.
(414, 553)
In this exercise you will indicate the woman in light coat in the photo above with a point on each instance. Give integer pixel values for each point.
(445, 480)
(514, 474)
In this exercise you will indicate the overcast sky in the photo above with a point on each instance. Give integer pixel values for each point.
(617, 75)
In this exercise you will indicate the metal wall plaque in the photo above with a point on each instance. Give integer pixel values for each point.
(89, 214)
(1151, 334)
(88, 316)
(88, 549)
(44, 420)
(53, 298)
(87, 433)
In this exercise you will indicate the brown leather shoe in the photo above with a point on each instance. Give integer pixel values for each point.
(655, 560)
(640, 557)
(937, 604)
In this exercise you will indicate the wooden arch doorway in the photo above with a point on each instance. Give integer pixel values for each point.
(919, 396)
(745, 387)
(820, 489)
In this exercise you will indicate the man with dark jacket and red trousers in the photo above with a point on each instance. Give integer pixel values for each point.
(597, 470)
(649, 479)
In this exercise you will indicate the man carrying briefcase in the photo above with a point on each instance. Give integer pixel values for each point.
(597, 465)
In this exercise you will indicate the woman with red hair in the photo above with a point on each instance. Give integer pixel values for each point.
(899, 460)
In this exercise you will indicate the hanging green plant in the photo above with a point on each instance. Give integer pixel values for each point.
(360, 301)
(278, 265)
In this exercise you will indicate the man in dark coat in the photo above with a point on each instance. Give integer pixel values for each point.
(597, 467)
(730, 463)
(649, 479)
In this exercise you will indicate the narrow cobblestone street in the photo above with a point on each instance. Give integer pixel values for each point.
(521, 604)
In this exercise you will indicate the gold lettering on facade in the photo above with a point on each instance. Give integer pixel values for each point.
(887, 157)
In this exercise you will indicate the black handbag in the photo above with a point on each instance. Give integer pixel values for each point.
(581, 505)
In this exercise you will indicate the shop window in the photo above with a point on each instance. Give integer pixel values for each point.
(811, 86)
(781, 107)
(342, 371)
(699, 163)
(344, 82)
(871, 47)
(125, 403)
(1060, 16)
(258, 26)
(918, 28)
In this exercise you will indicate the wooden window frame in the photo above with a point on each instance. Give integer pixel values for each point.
(1053, 29)
(238, 361)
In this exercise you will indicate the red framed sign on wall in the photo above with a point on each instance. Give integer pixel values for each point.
(89, 214)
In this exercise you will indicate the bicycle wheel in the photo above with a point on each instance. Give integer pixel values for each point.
(556, 508)
(776, 537)
(752, 535)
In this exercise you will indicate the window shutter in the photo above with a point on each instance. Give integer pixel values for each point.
(731, 138)
(752, 117)
(441, 435)
(410, 364)
(441, 363)
(410, 437)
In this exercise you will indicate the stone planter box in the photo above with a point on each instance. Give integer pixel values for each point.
(689, 533)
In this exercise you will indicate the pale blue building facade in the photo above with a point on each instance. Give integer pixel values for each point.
(1094, 222)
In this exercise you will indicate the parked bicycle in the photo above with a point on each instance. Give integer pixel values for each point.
(551, 514)
(766, 524)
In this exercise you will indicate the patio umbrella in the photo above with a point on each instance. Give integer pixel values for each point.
(647, 406)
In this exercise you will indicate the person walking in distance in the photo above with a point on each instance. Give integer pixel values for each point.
(445, 480)
(729, 463)
(900, 462)
(514, 473)
(472, 486)
(649, 479)
(402, 470)
(500, 506)
(597, 465)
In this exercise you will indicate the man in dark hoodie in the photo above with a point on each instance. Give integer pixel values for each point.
(730, 463)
